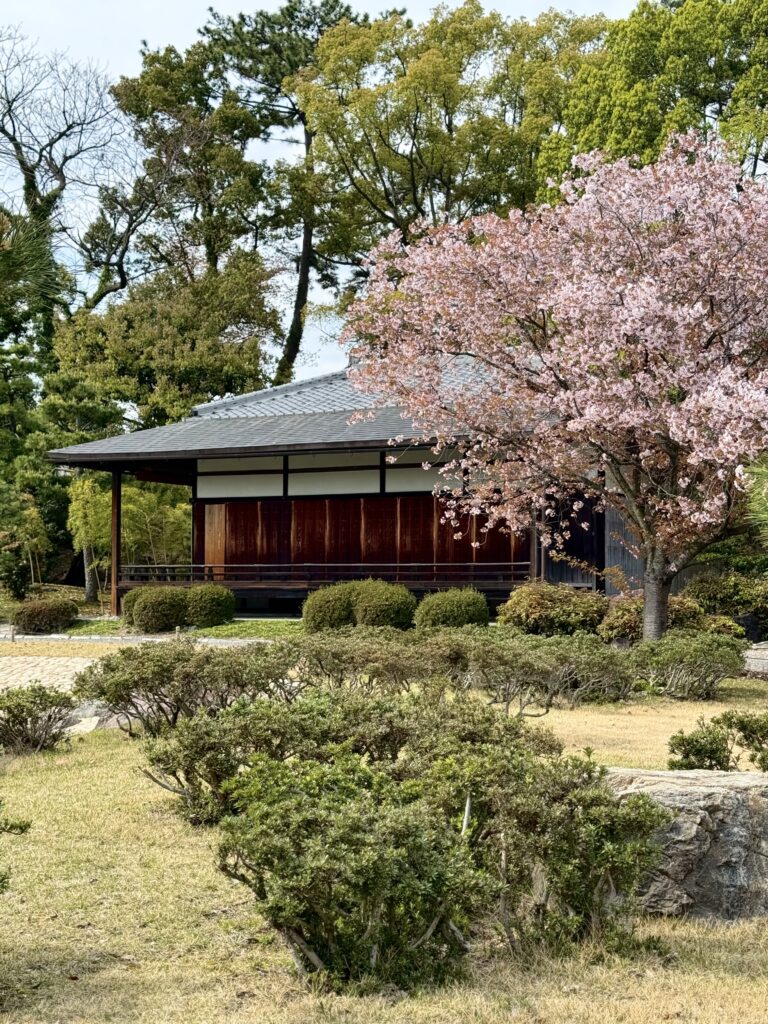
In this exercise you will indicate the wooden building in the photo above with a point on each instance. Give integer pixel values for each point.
(290, 492)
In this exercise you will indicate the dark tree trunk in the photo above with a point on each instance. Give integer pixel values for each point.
(91, 585)
(284, 371)
(657, 584)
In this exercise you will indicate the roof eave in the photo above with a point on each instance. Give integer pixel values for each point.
(61, 457)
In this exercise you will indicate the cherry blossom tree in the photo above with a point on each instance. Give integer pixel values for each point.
(611, 348)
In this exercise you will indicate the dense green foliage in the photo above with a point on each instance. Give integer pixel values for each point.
(377, 603)
(127, 604)
(53, 615)
(624, 618)
(733, 594)
(330, 607)
(33, 718)
(152, 686)
(715, 744)
(160, 609)
(210, 604)
(465, 607)
(374, 864)
(363, 603)
(549, 609)
(688, 665)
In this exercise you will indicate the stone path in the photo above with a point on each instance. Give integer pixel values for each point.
(58, 672)
(756, 659)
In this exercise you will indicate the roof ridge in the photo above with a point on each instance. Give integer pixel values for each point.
(265, 393)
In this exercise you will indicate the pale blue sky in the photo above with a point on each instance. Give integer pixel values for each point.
(110, 34)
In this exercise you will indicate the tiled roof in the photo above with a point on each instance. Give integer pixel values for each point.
(330, 393)
(308, 414)
(209, 436)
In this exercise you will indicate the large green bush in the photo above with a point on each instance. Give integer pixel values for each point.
(375, 862)
(330, 608)
(359, 602)
(127, 604)
(456, 607)
(377, 603)
(160, 609)
(687, 665)
(48, 616)
(14, 573)
(549, 610)
(717, 743)
(33, 718)
(210, 604)
(733, 594)
(624, 618)
(154, 685)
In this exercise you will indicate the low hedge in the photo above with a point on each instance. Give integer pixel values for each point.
(33, 718)
(210, 604)
(624, 619)
(160, 609)
(52, 616)
(359, 603)
(127, 604)
(330, 608)
(551, 610)
(377, 603)
(687, 664)
(456, 607)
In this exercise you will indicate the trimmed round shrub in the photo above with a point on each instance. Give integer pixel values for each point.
(456, 607)
(733, 594)
(724, 625)
(33, 718)
(127, 604)
(160, 609)
(376, 603)
(550, 610)
(330, 607)
(688, 665)
(53, 616)
(210, 604)
(624, 619)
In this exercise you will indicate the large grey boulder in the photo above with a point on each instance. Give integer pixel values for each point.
(715, 850)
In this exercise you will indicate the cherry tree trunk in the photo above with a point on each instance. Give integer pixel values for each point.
(657, 584)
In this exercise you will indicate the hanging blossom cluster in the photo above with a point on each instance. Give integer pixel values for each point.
(614, 347)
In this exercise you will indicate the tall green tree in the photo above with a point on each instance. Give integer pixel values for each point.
(441, 121)
(301, 214)
(175, 341)
(668, 67)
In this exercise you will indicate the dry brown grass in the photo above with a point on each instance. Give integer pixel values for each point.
(635, 734)
(59, 648)
(117, 913)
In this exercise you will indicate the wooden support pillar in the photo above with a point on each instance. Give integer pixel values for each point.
(117, 480)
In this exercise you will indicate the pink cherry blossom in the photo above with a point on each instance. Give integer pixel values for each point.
(618, 344)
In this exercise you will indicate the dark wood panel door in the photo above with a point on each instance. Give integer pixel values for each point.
(242, 532)
(379, 530)
(309, 526)
(274, 536)
(343, 540)
(417, 528)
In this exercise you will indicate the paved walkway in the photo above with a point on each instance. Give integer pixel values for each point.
(58, 672)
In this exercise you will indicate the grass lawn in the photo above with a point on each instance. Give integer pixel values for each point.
(96, 627)
(635, 734)
(117, 913)
(254, 629)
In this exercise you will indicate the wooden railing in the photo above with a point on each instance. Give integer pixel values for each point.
(309, 576)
